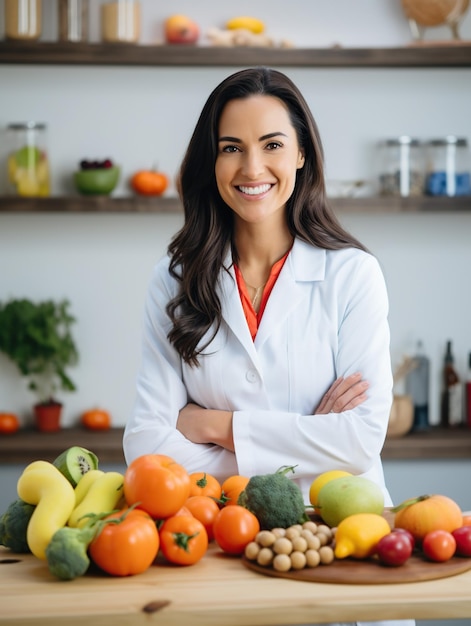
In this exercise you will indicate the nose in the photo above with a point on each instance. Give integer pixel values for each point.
(252, 164)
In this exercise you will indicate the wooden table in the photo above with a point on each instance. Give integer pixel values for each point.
(217, 591)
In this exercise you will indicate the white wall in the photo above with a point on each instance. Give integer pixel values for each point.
(140, 116)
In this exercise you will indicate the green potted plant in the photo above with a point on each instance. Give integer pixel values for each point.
(37, 338)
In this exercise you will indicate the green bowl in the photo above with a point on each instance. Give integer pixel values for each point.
(99, 181)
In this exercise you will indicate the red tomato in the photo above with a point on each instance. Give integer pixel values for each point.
(156, 484)
(203, 484)
(235, 527)
(439, 545)
(183, 540)
(463, 540)
(128, 547)
(205, 509)
(232, 487)
(96, 419)
(394, 549)
(9, 423)
(466, 520)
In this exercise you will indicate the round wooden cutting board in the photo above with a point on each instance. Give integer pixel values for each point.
(370, 572)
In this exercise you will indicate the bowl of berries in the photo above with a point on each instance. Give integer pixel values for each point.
(97, 177)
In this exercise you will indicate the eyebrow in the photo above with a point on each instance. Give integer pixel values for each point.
(262, 138)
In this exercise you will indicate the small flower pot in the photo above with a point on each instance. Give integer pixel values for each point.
(48, 417)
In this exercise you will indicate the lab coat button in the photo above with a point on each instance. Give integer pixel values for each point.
(251, 376)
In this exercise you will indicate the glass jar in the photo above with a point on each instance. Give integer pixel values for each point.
(448, 167)
(22, 19)
(27, 160)
(121, 21)
(73, 20)
(402, 167)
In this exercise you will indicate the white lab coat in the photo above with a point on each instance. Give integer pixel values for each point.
(326, 317)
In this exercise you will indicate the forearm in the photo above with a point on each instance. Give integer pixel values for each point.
(201, 425)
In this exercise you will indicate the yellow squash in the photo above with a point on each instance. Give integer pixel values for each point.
(105, 495)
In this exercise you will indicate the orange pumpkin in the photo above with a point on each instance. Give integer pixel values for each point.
(427, 513)
(149, 182)
(96, 419)
(9, 423)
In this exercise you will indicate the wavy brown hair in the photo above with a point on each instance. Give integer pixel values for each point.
(197, 251)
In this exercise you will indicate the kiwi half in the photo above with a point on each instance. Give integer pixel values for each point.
(75, 462)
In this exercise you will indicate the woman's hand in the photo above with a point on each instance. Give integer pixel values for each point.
(343, 394)
(206, 426)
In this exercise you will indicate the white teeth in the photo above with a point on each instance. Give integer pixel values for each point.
(254, 191)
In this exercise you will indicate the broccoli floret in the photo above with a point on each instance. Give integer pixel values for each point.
(66, 553)
(274, 499)
(14, 524)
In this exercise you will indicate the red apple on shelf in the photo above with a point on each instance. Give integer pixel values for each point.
(180, 29)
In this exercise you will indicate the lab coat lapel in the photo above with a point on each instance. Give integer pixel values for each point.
(232, 311)
(304, 265)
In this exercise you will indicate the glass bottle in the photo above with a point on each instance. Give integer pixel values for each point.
(452, 395)
(468, 393)
(402, 167)
(27, 160)
(418, 386)
(121, 21)
(73, 20)
(448, 167)
(22, 19)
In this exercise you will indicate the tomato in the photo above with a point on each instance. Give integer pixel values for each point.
(9, 423)
(466, 520)
(183, 540)
(157, 484)
(463, 540)
(232, 487)
(128, 547)
(149, 182)
(235, 527)
(394, 549)
(205, 509)
(439, 545)
(96, 419)
(203, 484)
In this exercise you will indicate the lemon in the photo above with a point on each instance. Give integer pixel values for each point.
(358, 535)
(322, 480)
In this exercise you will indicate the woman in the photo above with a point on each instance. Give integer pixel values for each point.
(266, 341)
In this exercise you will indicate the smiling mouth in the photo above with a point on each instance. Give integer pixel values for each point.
(254, 191)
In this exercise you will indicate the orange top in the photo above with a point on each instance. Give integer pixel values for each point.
(253, 318)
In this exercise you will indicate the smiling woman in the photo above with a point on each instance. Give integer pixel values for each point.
(266, 324)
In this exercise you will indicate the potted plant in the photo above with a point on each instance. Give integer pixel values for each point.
(37, 338)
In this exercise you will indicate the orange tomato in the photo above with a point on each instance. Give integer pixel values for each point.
(96, 419)
(439, 545)
(9, 423)
(428, 513)
(157, 484)
(149, 182)
(232, 487)
(234, 528)
(205, 509)
(127, 547)
(183, 540)
(203, 484)
(466, 520)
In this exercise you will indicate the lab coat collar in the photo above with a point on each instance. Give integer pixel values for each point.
(304, 264)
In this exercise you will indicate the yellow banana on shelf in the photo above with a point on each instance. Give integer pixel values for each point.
(253, 24)
(104, 495)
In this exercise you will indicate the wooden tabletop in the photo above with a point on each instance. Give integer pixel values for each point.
(217, 590)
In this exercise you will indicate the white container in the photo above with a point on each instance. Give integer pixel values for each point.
(402, 167)
(22, 19)
(448, 167)
(121, 21)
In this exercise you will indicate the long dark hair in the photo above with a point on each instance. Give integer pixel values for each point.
(197, 251)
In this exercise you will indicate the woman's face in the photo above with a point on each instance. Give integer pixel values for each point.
(258, 157)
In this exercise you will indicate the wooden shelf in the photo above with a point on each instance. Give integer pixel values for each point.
(134, 204)
(60, 53)
(28, 445)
